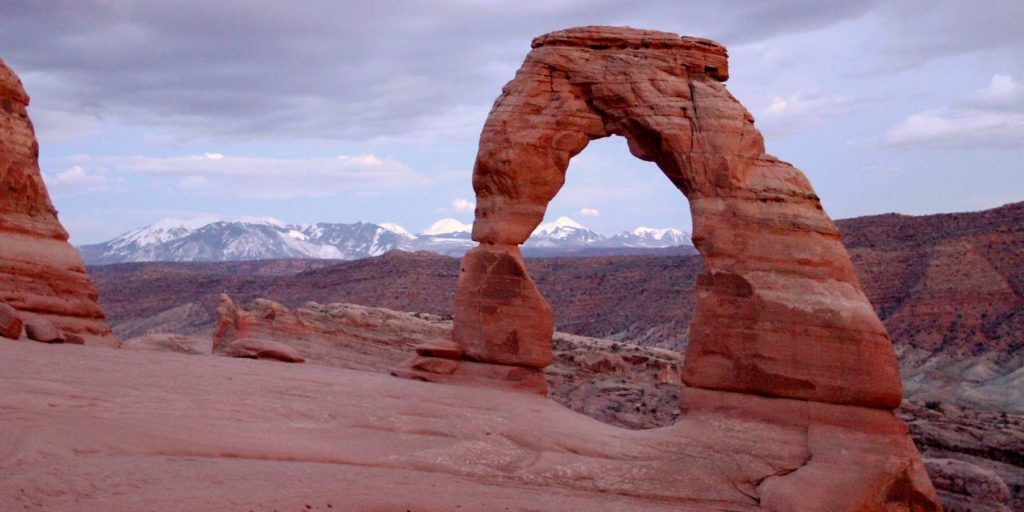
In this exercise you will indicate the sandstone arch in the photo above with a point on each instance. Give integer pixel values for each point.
(779, 309)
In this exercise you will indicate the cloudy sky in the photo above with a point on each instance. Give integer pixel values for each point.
(344, 111)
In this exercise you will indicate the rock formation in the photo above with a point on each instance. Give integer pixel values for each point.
(235, 336)
(779, 309)
(782, 333)
(41, 275)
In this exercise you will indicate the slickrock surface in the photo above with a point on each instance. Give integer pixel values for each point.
(779, 309)
(158, 431)
(41, 275)
(624, 385)
(340, 335)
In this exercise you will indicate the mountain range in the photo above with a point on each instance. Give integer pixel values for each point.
(258, 239)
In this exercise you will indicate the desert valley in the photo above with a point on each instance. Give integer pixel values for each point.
(771, 359)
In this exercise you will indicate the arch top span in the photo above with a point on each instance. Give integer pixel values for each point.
(779, 309)
(696, 53)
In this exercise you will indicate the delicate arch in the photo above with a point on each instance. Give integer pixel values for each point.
(779, 309)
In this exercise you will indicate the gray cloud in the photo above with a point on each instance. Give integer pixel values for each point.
(325, 69)
(357, 70)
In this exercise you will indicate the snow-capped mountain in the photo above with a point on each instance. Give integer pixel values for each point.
(448, 228)
(564, 232)
(254, 238)
(651, 237)
(248, 239)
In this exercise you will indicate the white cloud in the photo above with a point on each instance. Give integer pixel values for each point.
(783, 115)
(227, 175)
(1003, 87)
(463, 205)
(989, 117)
(963, 129)
(75, 180)
(1003, 92)
(590, 212)
(369, 160)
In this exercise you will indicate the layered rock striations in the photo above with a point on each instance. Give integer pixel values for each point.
(41, 274)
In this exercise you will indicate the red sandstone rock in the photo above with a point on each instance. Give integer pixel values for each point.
(72, 339)
(440, 348)
(779, 309)
(10, 322)
(235, 335)
(438, 365)
(500, 315)
(262, 349)
(43, 331)
(41, 274)
(471, 373)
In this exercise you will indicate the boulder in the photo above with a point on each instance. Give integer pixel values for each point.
(10, 322)
(43, 331)
(965, 487)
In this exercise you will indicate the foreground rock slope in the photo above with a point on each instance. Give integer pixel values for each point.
(206, 433)
(41, 274)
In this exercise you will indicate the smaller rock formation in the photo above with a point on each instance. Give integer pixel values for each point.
(234, 336)
(43, 331)
(10, 322)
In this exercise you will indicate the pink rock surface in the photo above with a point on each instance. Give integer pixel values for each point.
(779, 309)
(41, 274)
(159, 431)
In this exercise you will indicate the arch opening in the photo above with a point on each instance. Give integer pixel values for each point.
(630, 205)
